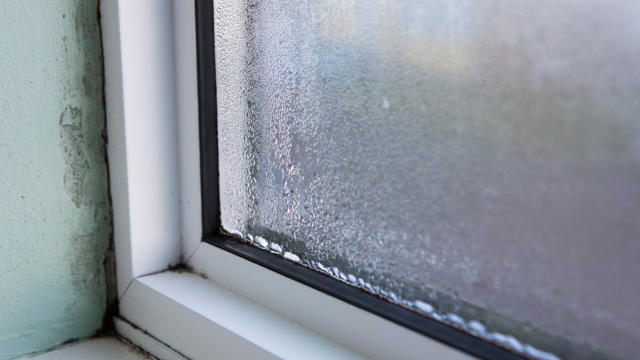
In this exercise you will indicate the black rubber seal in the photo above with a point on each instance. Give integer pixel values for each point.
(208, 115)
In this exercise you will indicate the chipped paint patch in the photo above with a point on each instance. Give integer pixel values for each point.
(73, 146)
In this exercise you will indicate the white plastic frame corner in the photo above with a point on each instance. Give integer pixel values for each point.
(240, 310)
(151, 98)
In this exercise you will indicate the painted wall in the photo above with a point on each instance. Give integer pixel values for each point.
(54, 205)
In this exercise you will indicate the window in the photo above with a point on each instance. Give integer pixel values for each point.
(559, 162)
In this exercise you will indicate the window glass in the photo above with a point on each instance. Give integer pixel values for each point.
(478, 162)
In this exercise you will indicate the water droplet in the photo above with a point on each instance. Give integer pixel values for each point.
(261, 241)
(423, 306)
(508, 340)
(539, 354)
(275, 247)
(291, 256)
(385, 102)
(456, 319)
(477, 326)
(335, 271)
(236, 233)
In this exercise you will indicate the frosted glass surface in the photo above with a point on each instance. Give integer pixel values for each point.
(478, 157)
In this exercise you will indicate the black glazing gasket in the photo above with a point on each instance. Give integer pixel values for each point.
(208, 118)
(432, 328)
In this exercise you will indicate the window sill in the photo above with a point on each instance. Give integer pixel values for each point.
(237, 309)
(105, 348)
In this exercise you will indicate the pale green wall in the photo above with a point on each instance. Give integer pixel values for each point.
(54, 206)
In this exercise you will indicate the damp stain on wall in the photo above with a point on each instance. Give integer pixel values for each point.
(56, 276)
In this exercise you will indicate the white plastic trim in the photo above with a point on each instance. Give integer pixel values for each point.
(142, 136)
(145, 341)
(357, 329)
(203, 320)
(187, 117)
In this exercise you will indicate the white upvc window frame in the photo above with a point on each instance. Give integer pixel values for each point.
(226, 306)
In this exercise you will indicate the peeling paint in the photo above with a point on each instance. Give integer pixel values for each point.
(73, 147)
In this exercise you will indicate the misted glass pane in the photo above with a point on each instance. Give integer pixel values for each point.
(476, 161)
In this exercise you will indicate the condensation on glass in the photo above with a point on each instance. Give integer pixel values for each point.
(478, 161)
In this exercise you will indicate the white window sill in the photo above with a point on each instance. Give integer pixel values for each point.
(105, 348)
(237, 309)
